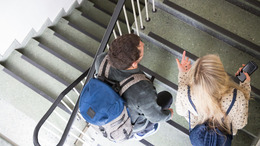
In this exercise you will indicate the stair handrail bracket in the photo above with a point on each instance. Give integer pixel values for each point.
(89, 73)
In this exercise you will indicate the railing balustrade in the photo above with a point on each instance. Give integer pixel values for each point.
(86, 76)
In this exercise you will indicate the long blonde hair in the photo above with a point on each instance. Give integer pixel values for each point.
(209, 82)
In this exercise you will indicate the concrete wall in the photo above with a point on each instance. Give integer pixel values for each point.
(22, 19)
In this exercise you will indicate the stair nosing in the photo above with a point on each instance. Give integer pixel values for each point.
(105, 11)
(254, 2)
(219, 32)
(60, 57)
(73, 44)
(83, 31)
(245, 7)
(44, 70)
(34, 88)
(93, 20)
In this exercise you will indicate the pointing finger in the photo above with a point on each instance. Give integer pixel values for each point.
(183, 55)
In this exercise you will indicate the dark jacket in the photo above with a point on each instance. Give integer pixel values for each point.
(140, 98)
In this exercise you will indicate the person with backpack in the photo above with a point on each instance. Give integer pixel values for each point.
(214, 105)
(146, 108)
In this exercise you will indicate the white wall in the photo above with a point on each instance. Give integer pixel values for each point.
(18, 18)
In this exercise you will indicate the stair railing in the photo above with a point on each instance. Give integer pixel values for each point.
(88, 74)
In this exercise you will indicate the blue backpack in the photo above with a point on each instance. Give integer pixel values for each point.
(102, 106)
(203, 135)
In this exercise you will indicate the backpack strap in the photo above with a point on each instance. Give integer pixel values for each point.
(104, 68)
(233, 101)
(192, 106)
(128, 82)
(190, 99)
(103, 72)
(228, 110)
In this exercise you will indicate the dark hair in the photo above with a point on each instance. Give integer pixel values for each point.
(123, 51)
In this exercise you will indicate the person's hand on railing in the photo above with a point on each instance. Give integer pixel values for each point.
(185, 65)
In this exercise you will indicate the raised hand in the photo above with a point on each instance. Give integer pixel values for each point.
(185, 65)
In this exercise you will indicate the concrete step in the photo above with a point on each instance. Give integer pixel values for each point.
(99, 17)
(76, 37)
(36, 75)
(218, 31)
(39, 54)
(197, 42)
(128, 5)
(226, 15)
(108, 7)
(56, 42)
(79, 22)
(24, 103)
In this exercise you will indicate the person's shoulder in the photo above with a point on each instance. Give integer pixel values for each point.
(101, 56)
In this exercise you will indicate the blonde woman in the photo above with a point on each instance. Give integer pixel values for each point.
(211, 91)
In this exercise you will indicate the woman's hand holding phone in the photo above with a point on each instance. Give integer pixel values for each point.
(246, 74)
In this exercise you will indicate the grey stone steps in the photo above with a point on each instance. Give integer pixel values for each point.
(226, 15)
(89, 11)
(53, 41)
(128, 5)
(234, 37)
(44, 57)
(75, 37)
(108, 7)
(23, 98)
(85, 25)
(199, 43)
(24, 104)
(248, 5)
(37, 76)
(99, 17)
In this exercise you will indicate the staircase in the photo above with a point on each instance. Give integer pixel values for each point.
(34, 76)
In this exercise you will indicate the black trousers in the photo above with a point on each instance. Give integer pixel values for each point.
(164, 99)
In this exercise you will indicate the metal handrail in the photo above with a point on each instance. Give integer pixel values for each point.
(89, 73)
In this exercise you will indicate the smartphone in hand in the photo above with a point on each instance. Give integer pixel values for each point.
(249, 68)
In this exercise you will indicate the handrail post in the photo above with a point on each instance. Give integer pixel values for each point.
(101, 49)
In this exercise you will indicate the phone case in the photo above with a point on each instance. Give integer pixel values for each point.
(249, 68)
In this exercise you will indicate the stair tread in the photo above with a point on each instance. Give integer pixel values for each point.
(19, 64)
(85, 24)
(108, 7)
(53, 64)
(27, 105)
(21, 96)
(227, 16)
(200, 43)
(9, 124)
(99, 17)
(75, 36)
(65, 49)
(89, 10)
